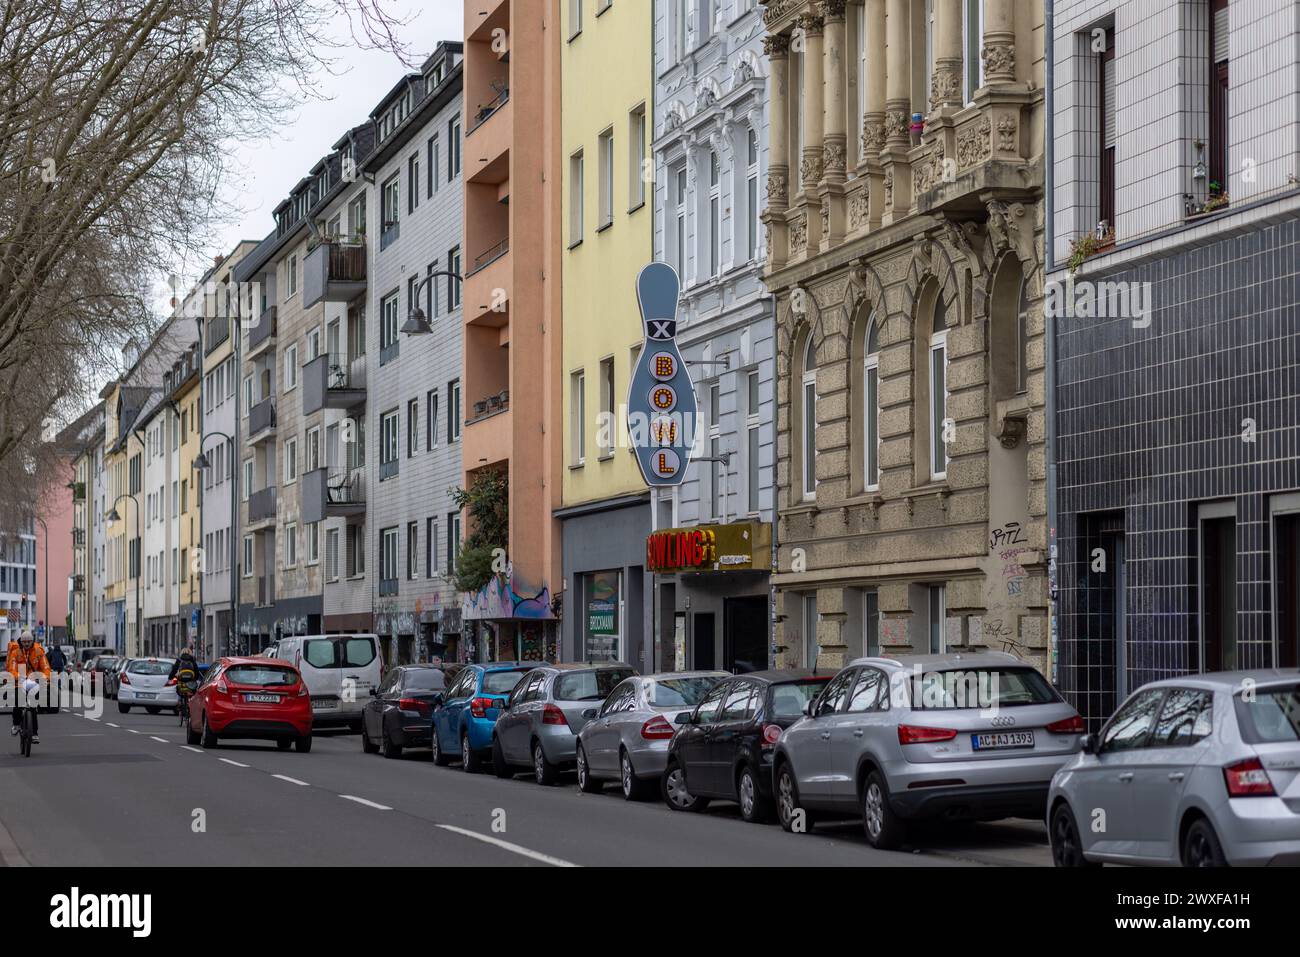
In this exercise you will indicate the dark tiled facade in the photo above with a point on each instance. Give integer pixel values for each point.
(1150, 427)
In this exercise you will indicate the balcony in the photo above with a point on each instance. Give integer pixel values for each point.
(79, 537)
(218, 331)
(262, 336)
(78, 491)
(487, 143)
(334, 271)
(265, 591)
(261, 422)
(333, 382)
(487, 110)
(492, 405)
(79, 583)
(261, 506)
(333, 493)
(487, 439)
(489, 287)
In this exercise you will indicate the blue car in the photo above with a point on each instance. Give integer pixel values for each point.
(464, 715)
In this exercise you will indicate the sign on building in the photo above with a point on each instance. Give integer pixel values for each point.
(661, 404)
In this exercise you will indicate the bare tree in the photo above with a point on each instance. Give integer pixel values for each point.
(116, 118)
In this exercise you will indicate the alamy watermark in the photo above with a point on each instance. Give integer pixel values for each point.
(1086, 299)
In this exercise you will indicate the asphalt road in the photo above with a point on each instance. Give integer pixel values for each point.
(125, 790)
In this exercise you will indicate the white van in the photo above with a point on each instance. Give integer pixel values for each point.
(341, 672)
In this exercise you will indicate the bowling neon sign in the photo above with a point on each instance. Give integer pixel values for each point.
(661, 404)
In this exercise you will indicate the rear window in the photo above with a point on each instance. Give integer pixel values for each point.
(501, 682)
(318, 652)
(589, 685)
(681, 692)
(789, 700)
(163, 667)
(261, 676)
(961, 689)
(1273, 716)
(357, 652)
(424, 679)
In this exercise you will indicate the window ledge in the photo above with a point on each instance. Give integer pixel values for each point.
(633, 209)
(575, 244)
(604, 226)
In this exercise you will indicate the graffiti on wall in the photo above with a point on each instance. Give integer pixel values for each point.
(502, 597)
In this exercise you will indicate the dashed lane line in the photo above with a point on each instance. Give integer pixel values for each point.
(285, 777)
(191, 748)
(235, 763)
(154, 737)
(377, 807)
(506, 845)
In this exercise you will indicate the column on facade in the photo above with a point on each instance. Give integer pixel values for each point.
(999, 41)
(946, 81)
(693, 160)
(777, 48)
(834, 139)
(898, 102)
(873, 119)
(809, 27)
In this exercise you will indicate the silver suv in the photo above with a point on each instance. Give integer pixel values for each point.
(955, 736)
(1202, 771)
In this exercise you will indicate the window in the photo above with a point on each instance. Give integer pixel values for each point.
(388, 444)
(871, 407)
(1286, 587)
(715, 215)
(313, 543)
(389, 208)
(453, 540)
(291, 368)
(388, 327)
(292, 277)
(608, 405)
(290, 461)
(753, 483)
(412, 551)
(637, 169)
(605, 155)
(332, 555)
(575, 18)
(811, 646)
(938, 613)
(1131, 726)
(577, 417)
(1217, 591)
(431, 418)
(453, 148)
(356, 550)
(717, 470)
(453, 285)
(973, 36)
(388, 546)
(313, 450)
(938, 367)
(1218, 138)
(575, 198)
(1022, 339)
(1186, 717)
(1106, 97)
(808, 445)
(453, 410)
(412, 427)
(413, 183)
(681, 28)
(751, 195)
(290, 545)
(431, 548)
(679, 235)
(432, 164)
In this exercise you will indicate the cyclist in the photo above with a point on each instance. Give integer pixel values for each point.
(185, 670)
(23, 662)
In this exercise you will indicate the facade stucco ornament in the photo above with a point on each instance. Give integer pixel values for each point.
(896, 125)
(811, 25)
(810, 170)
(873, 138)
(832, 9)
(826, 216)
(974, 144)
(945, 86)
(1008, 232)
(1000, 60)
(776, 44)
(860, 207)
(1007, 127)
(963, 237)
(777, 10)
(889, 189)
(799, 234)
(833, 157)
(778, 188)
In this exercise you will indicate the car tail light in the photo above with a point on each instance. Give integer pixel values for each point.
(418, 705)
(657, 729)
(302, 690)
(771, 734)
(553, 715)
(222, 687)
(125, 679)
(170, 682)
(1248, 779)
(1070, 725)
(478, 706)
(912, 734)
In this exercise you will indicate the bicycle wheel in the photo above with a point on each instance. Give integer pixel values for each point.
(26, 735)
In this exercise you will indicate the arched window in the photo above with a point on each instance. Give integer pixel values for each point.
(1009, 304)
(871, 406)
(808, 445)
(938, 366)
(1022, 339)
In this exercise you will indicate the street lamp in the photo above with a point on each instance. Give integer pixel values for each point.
(417, 323)
(49, 628)
(114, 516)
(201, 463)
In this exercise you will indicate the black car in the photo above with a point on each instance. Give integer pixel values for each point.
(397, 715)
(724, 747)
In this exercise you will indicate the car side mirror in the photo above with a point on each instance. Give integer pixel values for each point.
(810, 709)
(1089, 744)
(685, 717)
(589, 713)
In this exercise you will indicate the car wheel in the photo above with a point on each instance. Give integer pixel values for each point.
(634, 789)
(303, 744)
(793, 818)
(544, 771)
(1067, 848)
(123, 708)
(1201, 847)
(499, 766)
(675, 794)
(386, 746)
(367, 746)
(284, 744)
(153, 710)
(586, 782)
(885, 830)
(208, 739)
(753, 806)
(439, 758)
(469, 761)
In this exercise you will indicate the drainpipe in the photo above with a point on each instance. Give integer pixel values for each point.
(1049, 336)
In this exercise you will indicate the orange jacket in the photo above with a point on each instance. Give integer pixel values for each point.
(33, 661)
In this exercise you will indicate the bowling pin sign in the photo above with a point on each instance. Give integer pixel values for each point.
(661, 401)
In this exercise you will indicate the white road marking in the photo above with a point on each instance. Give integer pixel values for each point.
(377, 807)
(112, 725)
(235, 763)
(195, 750)
(133, 730)
(285, 777)
(513, 848)
(154, 737)
(91, 718)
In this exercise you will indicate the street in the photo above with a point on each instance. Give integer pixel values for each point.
(125, 790)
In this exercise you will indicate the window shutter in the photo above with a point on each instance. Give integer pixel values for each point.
(1221, 34)
(1108, 106)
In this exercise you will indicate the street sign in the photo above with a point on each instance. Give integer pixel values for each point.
(194, 619)
(661, 404)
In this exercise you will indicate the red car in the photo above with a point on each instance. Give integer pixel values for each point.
(251, 698)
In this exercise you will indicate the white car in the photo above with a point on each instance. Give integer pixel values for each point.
(341, 673)
(144, 684)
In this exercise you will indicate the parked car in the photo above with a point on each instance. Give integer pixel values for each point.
(724, 746)
(540, 723)
(144, 684)
(252, 698)
(467, 711)
(113, 677)
(400, 711)
(626, 739)
(957, 736)
(99, 667)
(1202, 771)
(340, 670)
(89, 653)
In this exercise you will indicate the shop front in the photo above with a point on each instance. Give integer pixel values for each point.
(714, 596)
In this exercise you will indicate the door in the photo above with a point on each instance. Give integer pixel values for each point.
(446, 717)
(860, 727)
(692, 739)
(1101, 790)
(702, 641)
(722, 743)
(513, 726)
(813, 756)
(744, 634)
(377, 706)
(602, 739)
(358, 662)
(1177, 745)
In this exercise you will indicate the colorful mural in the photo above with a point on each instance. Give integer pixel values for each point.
(500, 599)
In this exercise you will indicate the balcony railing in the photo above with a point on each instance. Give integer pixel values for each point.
(78, 491)
(265, 329)
(335, 271)
(79, 583)
(218, 332)
(333, 382)
(261, 505)
(487, 109)
(78, 536)
(491, 255)
(261, 417)
(490, 405)
(333, 493)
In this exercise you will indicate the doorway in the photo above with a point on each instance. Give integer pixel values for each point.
(744, 635)
(702, 634)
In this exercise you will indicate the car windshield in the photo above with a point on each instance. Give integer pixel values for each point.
(789, 700)
(154, 666)
(1272, 715)
(501, 682)
(981, 689)
(681, 692)
(424, 679)
(261, 676)
(592, 685)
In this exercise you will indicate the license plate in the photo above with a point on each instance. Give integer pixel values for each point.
(1002, 739)
(149, 695)
(263, 698)
(324, 705)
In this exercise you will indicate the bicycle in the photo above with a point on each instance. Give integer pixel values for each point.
(25, 732)
(183, 709)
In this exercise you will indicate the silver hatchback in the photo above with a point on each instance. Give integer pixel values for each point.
(626, 739)
(955, 736)
(538, 727)
(1202, 771)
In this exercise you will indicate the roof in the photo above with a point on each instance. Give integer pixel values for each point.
(567, 666)
(776, 676)
(251, 660)
(1230, 681)
(978, 659)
